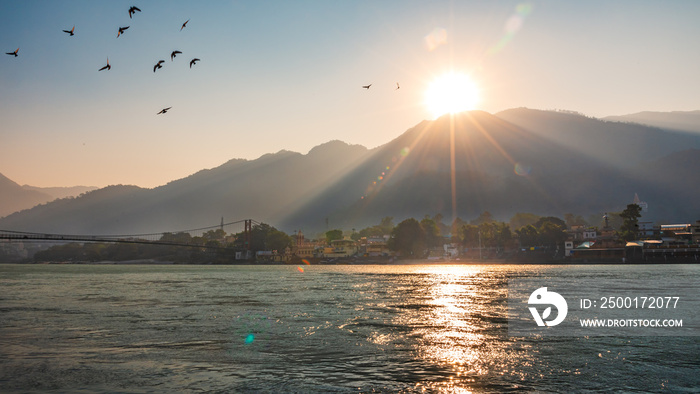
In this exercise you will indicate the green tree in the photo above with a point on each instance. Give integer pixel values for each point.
(265, 237)
(522, 219)
(574, 220)
(214, 235)
(333, 235)
(432, 232)
(469, 235)
(485, 217)
(383, 228)
(503, 235)
(408, 238)
(456, 227)
(444, 229)
(630, 222)
(528, 236)
(552, 234)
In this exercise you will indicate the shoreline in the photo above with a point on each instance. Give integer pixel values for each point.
(360, 262)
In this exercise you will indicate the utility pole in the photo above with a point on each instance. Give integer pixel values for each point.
(480, 245)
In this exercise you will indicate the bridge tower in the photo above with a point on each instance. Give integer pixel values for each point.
(247, 232)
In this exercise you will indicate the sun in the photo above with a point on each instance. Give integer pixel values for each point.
(451, 93)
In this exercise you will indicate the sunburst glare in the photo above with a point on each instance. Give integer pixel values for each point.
(451, 93)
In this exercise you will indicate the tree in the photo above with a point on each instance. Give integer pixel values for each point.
(386, 225)
(214, 235)
(469, 235)
(485, 217)
(432, 232)
(379, 230)
(333, 235)
(630, 222)
(408, 238)
(265, 237)
(444, 229)
(574, 220)
(521, 219)
(528, 236)
(456, 228)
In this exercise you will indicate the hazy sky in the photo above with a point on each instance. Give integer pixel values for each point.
(288, 74)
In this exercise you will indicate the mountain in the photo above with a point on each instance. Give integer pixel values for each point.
(61, 192)
(263, 189)
(14, 197)
(520, 160)
(616, 143)
(688, 121)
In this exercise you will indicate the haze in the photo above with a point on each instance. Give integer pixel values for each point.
(288, 75)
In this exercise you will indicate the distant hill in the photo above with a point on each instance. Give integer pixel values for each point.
(676, 120)
(14, 198)
(61, 192)
(263, 189)
(521, 160)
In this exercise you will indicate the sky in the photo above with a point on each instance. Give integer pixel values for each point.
(288, 75)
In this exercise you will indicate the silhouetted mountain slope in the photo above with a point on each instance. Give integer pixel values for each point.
(499, 167)
(547, 163)
(96, 212)
(263, 189)
(14, 197)
(620, 144)
(675, 120)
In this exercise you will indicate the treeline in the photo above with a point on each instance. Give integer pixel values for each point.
(214, 246)
(410, 238)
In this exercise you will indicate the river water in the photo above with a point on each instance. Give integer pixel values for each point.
(397, 328)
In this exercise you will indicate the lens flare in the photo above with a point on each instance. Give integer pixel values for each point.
(512, 26)
(249, 339)
(300, 269)
(435, 38)
(522, 169)
(305, 261)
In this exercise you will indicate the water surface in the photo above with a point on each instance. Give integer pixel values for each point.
(406, 328)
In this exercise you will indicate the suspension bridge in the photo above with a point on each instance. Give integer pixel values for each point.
(170, 238)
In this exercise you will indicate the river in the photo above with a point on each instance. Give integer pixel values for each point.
(330, 329)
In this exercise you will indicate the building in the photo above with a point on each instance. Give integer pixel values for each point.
(374, 246)
(304, 248)
(676, 234)
(341, 248)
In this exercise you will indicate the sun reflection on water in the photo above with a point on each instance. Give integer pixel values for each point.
(456, 331)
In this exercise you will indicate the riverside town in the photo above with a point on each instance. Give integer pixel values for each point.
(613, 238)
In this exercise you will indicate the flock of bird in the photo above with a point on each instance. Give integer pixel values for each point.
(120, 31)
(159, 64)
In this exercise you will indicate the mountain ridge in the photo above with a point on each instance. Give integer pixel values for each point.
(519, 160)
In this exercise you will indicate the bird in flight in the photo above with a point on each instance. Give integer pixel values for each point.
(184, 24)
(164, 110)
(121, 30)
(132, 11)
(366, 86)
(108, 67)
(172, 55)
(158, 65)
(71, 31)
(13, 53)
(193, 61)
(397, 86)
